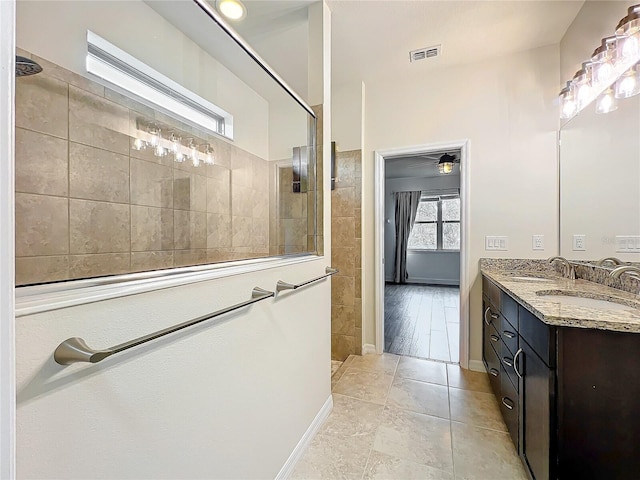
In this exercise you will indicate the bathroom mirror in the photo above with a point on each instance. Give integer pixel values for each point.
(153, 138)
(600, 184)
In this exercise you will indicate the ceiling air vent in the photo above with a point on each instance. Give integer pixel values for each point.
(424, 53)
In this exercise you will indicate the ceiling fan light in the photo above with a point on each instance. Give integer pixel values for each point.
(445, 165)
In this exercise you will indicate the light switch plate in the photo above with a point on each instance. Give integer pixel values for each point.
(627, 243)
(579, 242)
(496, 243)
(537, 242)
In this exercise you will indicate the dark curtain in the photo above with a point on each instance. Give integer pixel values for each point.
(406, 209)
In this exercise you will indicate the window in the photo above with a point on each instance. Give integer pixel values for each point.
(437, 224)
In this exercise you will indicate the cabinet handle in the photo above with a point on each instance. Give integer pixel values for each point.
(488, 322)
(494, 338)
(494, 316)
(509, 334)
(494, 372)
(507, 402)
(507, 361)
(515, 362)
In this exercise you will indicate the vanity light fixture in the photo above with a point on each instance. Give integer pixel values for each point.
(139, 144)
(628, 84)
(193, 153)
(582, 85)
(232, 9)
(568, 107)
(128, 75)
(628, 31)
(603, 62)
(445, 165)
(209, 159)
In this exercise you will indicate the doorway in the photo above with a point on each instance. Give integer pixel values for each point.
(424, 313)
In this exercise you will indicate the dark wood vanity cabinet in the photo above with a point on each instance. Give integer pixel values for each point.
(570, 397)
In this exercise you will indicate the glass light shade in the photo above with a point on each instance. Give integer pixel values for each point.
(628, 48)
(179, 157)
(603, 62)
(568, 106)
(581, 85)
(628, 84)
(154, 138)
(208, 156)
(630, 24)
(606, 102)
(159, 151)
(139, 144)
(445, 167)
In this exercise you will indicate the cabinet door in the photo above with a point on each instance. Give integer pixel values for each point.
(537, 407)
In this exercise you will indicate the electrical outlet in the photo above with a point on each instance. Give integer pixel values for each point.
(579, 242)
(538, 242)
(496, 243)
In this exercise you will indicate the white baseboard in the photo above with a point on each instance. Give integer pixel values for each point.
(477, 366)
(367, 348)
(301, 447)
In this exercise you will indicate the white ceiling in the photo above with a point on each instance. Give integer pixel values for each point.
(418, 166)
(372, 39)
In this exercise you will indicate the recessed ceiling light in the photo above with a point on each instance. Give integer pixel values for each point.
(232, 9)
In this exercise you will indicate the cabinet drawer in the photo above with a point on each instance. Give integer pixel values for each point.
(509, 309)
(509, 334)
(492, 362)
(508, 400)
(541, 337)
(506, 361)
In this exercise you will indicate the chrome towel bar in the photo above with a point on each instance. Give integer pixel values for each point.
(290, 286)
(75, 349)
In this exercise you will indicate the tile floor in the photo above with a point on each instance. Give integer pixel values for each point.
(422, 321)
(405, 418)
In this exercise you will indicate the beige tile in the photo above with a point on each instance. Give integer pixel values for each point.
(476, 408)
(41, 163)
(419, 397)
(219, 173)
(343, 231)
(42, 105)
(345, 172)
(222, 154)
(422, 370)
(343, 259)
(218, 197)
(151, 229)
(386, 467)
(415, 437)
(342, 202)
(357, 312)
(260, 204)
(293, 232)
(479, 454)
(30, 270)
(241, 231)
(358, 340)
(290, 205)
(385, 363)
(468, 380)
(342, 320)
(342, 346)
(189, 191)
(260, 231)
(67, 76)
(217, 255)
(190, 230)
(98, 122)
(241, 201)
(241, 168)
(260, 174)
(335, 366)
(342, 290)
(218, 230)
(341, 447)
(96, 174)
(151, 184)
(357, 283)
(87, 266)
(42, 225)
(365, 385)
(358, 223)
(145, 261)
(182, 258)
(99, 227)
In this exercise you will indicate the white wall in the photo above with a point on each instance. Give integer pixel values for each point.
(57, 31)
(422, 266)
(227, 399)
(347, 101)
(505, 107)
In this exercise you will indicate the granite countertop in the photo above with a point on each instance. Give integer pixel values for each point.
(555, 313)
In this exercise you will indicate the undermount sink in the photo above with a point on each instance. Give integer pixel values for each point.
(603, 303)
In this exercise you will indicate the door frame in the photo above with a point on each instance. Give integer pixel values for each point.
(379, 199)
(7, 240)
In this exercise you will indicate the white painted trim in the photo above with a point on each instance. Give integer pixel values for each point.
(7, 239)
(44, 298)
(379, 199)
(477, 366)
(368, 349)
(288, 467)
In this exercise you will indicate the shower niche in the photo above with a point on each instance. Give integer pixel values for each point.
(153, 141)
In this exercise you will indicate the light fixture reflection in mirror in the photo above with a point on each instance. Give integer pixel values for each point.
(629, 84)
(606, 102)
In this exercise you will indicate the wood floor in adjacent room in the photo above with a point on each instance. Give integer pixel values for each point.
(422, 321)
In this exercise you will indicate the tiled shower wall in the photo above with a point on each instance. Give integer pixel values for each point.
(88, 204)
(346, 241)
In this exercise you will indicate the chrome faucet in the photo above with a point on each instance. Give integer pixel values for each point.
(614, 260)
(628, 269)
(568, 271)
